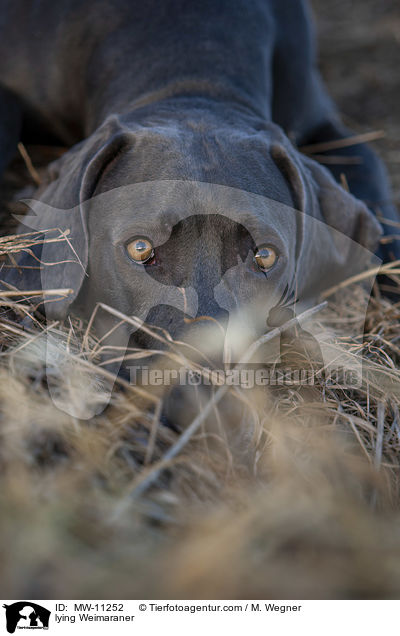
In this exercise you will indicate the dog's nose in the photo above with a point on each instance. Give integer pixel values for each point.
(207, 333)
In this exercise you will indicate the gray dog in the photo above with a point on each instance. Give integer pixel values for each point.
(182, 91)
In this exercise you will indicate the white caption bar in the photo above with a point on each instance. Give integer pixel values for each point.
(172, 618)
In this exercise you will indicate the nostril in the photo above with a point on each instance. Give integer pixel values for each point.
(221, 323)
(207, 334)
(210, 309)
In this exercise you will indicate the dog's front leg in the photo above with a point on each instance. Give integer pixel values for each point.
(10, 126)
(360, 169)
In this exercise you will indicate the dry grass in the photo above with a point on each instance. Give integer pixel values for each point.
(277, 493)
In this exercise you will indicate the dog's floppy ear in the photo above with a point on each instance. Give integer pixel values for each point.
(59, 212)
(340, 209)
(317, 194)
(336, 233)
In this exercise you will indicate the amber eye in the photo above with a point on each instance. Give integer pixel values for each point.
(140, 250)
(265, 257)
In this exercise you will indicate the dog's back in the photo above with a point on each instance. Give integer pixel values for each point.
(68, 68)
(73, 62)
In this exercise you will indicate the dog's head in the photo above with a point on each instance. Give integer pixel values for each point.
(187, 215)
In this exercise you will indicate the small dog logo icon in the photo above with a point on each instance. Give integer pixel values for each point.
(26, 615)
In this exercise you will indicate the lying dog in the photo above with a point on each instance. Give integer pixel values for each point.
(179, 93)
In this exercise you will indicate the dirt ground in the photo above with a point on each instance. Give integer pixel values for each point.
(359, 53)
